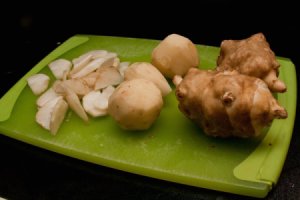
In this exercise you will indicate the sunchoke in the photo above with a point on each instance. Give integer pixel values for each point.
(227, 103)
(253, 57)
(135, 104)
(175, 55)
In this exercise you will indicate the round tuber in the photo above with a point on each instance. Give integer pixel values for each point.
(135, 104)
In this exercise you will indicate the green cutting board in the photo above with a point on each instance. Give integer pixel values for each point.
(173, 149)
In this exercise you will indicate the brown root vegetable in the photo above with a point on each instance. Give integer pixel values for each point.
(175, 55)
(135, 104)
(253, 57)
(227, 103)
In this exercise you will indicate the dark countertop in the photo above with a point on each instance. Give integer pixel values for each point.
(28, 172)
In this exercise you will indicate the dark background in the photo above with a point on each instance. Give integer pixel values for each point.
(30, 31)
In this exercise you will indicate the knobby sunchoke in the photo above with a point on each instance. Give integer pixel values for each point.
(253, 57)
(227, 103)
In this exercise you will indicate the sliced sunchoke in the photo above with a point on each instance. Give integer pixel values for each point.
(49, 95)
(253, 57)
(93, 65)
(79, 86)
(82, 60)
(227, 103)
(90, 79)
(107, 76)
(122, 67)
(61, 88)
(51, 114)
(85, 89)
(58, 115)
(95, 103)
(60, 67)
(38, 83)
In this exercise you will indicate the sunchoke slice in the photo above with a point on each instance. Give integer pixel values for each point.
(107, 76)
(135, 104)
(253, 57)
(122, 67)
(93, 66)
(95, 103)
(38, 83)
(148, 71)
(175, 55)
(51, 115)
(72, 99)
(90, 79)
(49, 95)
(227, 103)
(43, 115)
(60, 67)
(80, 64)
(84, 58)
(116, 62)
(58, 115)
(80, 87)
(108, 91)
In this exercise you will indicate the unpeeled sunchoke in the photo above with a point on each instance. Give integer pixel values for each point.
(227, 103)
(253, 57)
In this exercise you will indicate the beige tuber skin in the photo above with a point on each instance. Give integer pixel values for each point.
(135, 104)
(175, 55)
(227, 103)
(253, 57)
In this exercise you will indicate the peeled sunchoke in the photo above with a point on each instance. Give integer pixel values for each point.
(227, 103)
(148, 71)
(253, 57)
(175, 55)
(135, 104)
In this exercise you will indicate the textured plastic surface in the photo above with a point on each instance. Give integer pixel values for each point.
(173, 149)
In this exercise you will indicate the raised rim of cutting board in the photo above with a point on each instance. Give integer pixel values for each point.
(266, 161)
